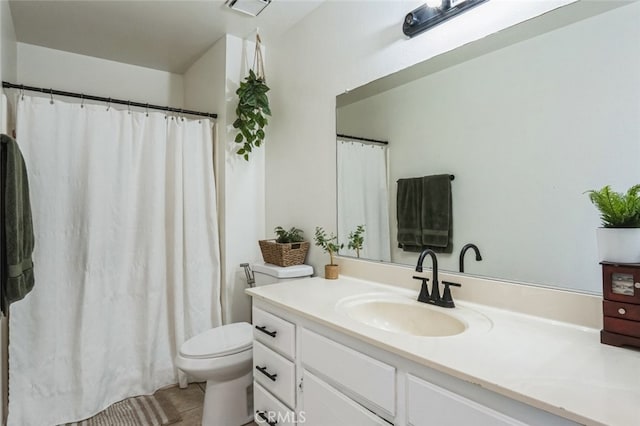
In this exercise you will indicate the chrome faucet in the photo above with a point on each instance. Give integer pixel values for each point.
(446, 301)
(464, 250)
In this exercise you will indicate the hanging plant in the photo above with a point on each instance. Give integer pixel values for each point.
(253, 106)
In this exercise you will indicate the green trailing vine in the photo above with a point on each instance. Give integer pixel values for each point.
(253, 107)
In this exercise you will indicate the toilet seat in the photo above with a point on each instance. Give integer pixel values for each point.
(219, 341)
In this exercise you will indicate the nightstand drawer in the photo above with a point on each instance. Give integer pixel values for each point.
(620, 326)
(621, 310)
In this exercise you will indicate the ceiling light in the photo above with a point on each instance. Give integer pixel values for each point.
(427, 16)
(249, 7)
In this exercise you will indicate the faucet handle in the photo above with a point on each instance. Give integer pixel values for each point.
(447, 300)
(424, 289)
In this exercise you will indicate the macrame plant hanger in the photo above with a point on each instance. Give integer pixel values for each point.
(258, 62)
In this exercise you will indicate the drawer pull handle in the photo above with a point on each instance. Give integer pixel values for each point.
(265, 331)
(622, 311)
(263, 416)
(263, 370)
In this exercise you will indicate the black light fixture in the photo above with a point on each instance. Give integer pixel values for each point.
(434, 12)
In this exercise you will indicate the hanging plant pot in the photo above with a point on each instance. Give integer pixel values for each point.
(253, 107)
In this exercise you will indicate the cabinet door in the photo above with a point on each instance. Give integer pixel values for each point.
(431, 405)
(323, 406)
(621, 283)
(351, 370)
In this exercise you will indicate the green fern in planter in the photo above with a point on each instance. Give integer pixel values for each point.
(617, 210)
(294, 235)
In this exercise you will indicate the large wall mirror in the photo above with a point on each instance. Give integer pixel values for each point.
(527, 120)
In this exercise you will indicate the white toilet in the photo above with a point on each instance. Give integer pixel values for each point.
(223, 357)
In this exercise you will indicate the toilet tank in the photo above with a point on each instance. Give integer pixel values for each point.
(266, 273)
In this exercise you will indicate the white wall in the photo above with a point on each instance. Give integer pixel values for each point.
(8, 49)
(525, 130)
(211, 83)
(56, 69)
(343, 45)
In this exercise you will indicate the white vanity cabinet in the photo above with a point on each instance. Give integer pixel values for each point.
(326, 377)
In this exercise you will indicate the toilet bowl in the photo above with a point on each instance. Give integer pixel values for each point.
(222, 357)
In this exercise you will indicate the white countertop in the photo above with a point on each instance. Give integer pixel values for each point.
(555, 366)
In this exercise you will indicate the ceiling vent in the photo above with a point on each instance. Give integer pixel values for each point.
(249, 7)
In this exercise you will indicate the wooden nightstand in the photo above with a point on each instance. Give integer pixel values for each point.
(621, 304)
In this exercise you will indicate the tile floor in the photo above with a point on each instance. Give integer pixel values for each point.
(188, 402)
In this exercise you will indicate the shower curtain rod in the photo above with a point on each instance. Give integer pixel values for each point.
(358, 138)
(7, 85)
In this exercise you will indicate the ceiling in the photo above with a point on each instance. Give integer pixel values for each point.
(167, 35)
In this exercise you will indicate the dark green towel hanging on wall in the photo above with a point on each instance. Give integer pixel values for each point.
(424, 214)
(18, 241)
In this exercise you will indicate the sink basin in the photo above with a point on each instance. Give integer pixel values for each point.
(403, 315)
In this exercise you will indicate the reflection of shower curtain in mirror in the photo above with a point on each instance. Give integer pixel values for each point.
(126, 257)
(363, 194)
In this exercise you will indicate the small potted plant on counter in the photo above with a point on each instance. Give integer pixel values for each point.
(356, 240)
(330, 245)
(619, 236)
(288, 249)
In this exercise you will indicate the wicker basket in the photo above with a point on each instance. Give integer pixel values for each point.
(287, 254)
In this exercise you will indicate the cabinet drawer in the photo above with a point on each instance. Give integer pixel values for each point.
(428, 405)
(274, 332)
(351, 370)
(621, 326)
(275, 373)
(324, 405)
(270, 411)
(621, 310)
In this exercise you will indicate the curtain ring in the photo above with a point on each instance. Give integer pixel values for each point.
(146, 109)
(129, 107)
(51, 96)
(181, 114)
(82, 100)
(22, 92)
(109, 104)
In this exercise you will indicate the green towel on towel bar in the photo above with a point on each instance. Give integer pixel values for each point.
(18, 227)
(424, 212)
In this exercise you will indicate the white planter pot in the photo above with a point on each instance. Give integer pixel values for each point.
(620, 245)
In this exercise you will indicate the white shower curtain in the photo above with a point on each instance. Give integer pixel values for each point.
(363, 197)
(126, 258)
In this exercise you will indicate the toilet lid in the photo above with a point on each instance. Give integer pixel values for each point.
(220, 341)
